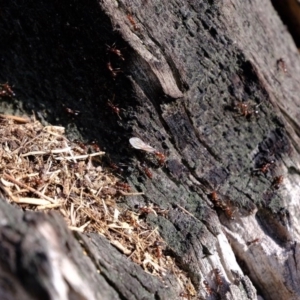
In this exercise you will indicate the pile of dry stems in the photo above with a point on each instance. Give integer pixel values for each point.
(41, 170)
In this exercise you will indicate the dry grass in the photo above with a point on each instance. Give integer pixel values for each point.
(41, 170)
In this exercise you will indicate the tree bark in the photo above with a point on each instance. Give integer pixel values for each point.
(189, 82)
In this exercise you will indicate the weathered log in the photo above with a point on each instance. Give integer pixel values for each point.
(213, 85)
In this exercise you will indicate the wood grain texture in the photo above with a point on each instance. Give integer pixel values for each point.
(188, 65)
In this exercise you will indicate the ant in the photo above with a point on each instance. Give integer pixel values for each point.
(124, 186)
(160, 157)
(158, 249)
(114, 108)
(113, 49)
(184, 295)
(132, 22)
(113, 72)
(218, 277)
(245, 111)
(72, 112)
(216, 200)
(115, 167)
(243, 108)
(80, 144)
(214, 196)
(265, 167)
(137, 143)
(228, 212)
(6, 90)
(208, 288)
(281, 65)
(253, 241)
(95, 146)
(36, 182)
(277, 181)
(223, 206)
(73, 166)
(145, 210)
(147, 170)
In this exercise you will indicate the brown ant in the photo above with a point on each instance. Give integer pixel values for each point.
(184, 295)
(253, 241)
(36, 182)
(264, 168)
(113, 72)
(277, 181)
(158, 249)
(145, 210)
(137, 143)
(218, 277)
(114, 108)
(147, 171)
(113, 49)
(208, 288)
(72, 112)
(80, 144)
(74, 166)
(160, 157)
(281, 65)
(162, 212)
(245, 111)
(223, 206)
(214, 196)
(95, 146)
(115, 167)
(216, 201)
(6, 90)
(132, 22)
(123, 186)
(228, 212)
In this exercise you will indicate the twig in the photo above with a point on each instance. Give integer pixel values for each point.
(118, 245)
(151, 233)
(16, 118)
(25, 186)
(59, 130)
(49, 206)
(33, 201)
(81, 228)
(80, 156)
(55, 151)
(183, 209)
(130, 194)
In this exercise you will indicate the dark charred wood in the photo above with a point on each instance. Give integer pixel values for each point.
(184, 66)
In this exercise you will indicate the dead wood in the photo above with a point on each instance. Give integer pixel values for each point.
(212, 85)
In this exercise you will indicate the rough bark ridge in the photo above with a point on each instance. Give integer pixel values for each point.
(190, 68)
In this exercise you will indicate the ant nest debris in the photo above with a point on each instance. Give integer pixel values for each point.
(41, 170)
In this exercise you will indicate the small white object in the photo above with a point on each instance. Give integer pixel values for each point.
(137, 143)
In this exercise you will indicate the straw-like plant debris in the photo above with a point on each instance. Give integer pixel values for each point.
(41, 170)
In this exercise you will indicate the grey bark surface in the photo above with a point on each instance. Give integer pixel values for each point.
(186, 64)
